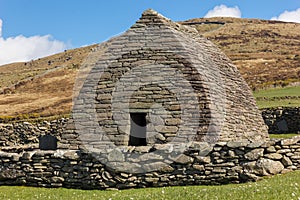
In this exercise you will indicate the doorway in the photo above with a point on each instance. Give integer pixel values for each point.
(138, 129)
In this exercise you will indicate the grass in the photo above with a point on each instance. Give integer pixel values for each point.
(32, 118)
(283, 136)
(276, 188)
(278, 103)
(278, 97)
(279, 92)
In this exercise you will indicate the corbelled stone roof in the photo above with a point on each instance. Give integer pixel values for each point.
(183, 79)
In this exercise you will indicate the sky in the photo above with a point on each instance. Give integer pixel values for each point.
(31, 29)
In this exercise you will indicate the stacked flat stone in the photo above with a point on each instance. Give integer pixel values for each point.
(201, 163)
(26, 135)
(282, 120)
(158, 48)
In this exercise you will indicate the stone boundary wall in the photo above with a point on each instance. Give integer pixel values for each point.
(201, 163)
(282, 120)
(27, 134)
(279, 120)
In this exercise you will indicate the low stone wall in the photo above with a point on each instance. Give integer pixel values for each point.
(24, 133)
(279, 120)
(282, 120)
(201, 163)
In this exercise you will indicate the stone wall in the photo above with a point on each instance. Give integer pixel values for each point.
(201, 163)
(278, 120)
(282, 120)
(27, 134)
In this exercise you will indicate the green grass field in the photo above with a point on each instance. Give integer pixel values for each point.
(283, 136)
(280, 187)
(279, 92)
(275, 97)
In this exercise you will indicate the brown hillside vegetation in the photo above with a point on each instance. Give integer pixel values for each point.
(43, 87)
(267, 53)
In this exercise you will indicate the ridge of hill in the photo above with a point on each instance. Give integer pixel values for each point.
(267, 53)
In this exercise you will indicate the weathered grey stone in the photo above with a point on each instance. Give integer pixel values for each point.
(72, 155)
(143, 149)
(273, 156)
(283, 151)
(106, 176)
(173, 122)
(296, 156)
(240, 143)
(290, 141)
(126, 167)
(253, 145)
(219, 170)
(202, 159)
(124, 175)
(167, 169)
(115, 156)
(155, 166)
(199, 167)
(254, 154)
(286, 161)
(166, 129)
(253, 168)
(271, 149)
(56, 179)
(284, 171)
(149, 157)
(167, 148)
(231, 154)
(217, 148)
(270, 166)
(184, 159)
(26, 155)
(221, 144)
(203, 147)
(151, 180)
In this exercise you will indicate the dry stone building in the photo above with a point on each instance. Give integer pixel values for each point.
(161, 82)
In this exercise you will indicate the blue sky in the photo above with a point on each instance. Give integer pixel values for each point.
(61, 24)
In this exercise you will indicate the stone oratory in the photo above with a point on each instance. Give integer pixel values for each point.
(161, 82)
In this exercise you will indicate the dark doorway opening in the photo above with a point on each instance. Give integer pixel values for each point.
(48, 142)
(138, 128)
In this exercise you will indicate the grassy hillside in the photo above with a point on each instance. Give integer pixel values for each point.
(276, 97)
(275, 188)
(266, 53)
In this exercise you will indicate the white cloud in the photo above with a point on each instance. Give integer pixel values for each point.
(0, 28)
(289, 16)
(224, 11)
(20, 48)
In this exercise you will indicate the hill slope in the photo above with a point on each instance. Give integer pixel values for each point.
(267, 53)
(43, 87)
